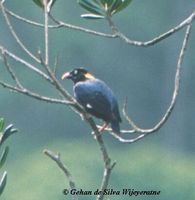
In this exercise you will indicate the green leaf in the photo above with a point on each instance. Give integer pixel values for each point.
(97, 2)
(92, 16)
(119, 5)
(9, 130)
(90, 6)
(108, 2)
(100, 8)
(2, 123)
(3, 182)
(4, 156)
(39, 3)
(114, 6)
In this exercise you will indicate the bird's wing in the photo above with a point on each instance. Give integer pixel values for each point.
(115, 111)
(94, 100)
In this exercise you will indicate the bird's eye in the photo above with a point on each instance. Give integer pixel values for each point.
(75, 72)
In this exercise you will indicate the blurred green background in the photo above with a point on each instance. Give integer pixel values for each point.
(163, 161)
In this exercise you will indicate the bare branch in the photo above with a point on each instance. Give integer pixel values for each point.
(11, 72)
(51, 80)
(123, 131)
(155, 40)
(78, 28)
(116, 32)
(175, 92)
(19, 42)
(25, 63)
(132, 140)
(27, 21)
(60, 24)
(46, 33)
(63, 167)
(108, 165)
(35, 95)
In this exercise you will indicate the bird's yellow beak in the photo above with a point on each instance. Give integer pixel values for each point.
(65, 75)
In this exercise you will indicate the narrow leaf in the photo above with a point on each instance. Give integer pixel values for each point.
(116, 4)
(108, 2)
(91, 7)
(96, 2)
(122, 5)
(2, 123)
(4, 156)
(39, 3)
(3, 182)
(92, 16)
(9, 130)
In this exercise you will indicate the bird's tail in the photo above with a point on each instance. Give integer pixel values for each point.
(115, 126)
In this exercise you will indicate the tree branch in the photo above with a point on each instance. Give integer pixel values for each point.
(60, 24)
(116, 34)
(17, 39)
(27, 92)
(46, 33)
(155, 40)
(174, 96)
(27, 21)
(108, 165)
(11, 72)
(63, 167)
(25, 63)
(79, 28)
(144, 132)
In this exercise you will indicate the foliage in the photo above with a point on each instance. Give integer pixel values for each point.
(40, 3)
(101, 8)
(4, 134)
(97, 9)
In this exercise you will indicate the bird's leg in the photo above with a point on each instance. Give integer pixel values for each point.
(105, 125)
(100, 130)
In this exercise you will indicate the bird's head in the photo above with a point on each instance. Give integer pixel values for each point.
(77, 75)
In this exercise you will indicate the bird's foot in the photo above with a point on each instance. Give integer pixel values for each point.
(101, 129)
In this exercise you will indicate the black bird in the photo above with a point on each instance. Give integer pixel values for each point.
(96, 97)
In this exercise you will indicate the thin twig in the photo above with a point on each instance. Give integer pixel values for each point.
(175, 92)
(155, 40)
(11, 72)
(34, 95)
(60, 24)
(123, 131)
(27, 21)
(108, 165)
(19, 42)
(116, 34)
(25, 63)
(55, 64)
(127, 141)
(46, 33)
(63, 167)
(78, 28)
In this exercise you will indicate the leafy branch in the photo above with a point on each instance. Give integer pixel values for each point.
(5, 133)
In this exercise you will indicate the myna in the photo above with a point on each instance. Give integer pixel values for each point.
(96, 97)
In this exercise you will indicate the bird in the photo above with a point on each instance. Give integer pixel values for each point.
(96, 98)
